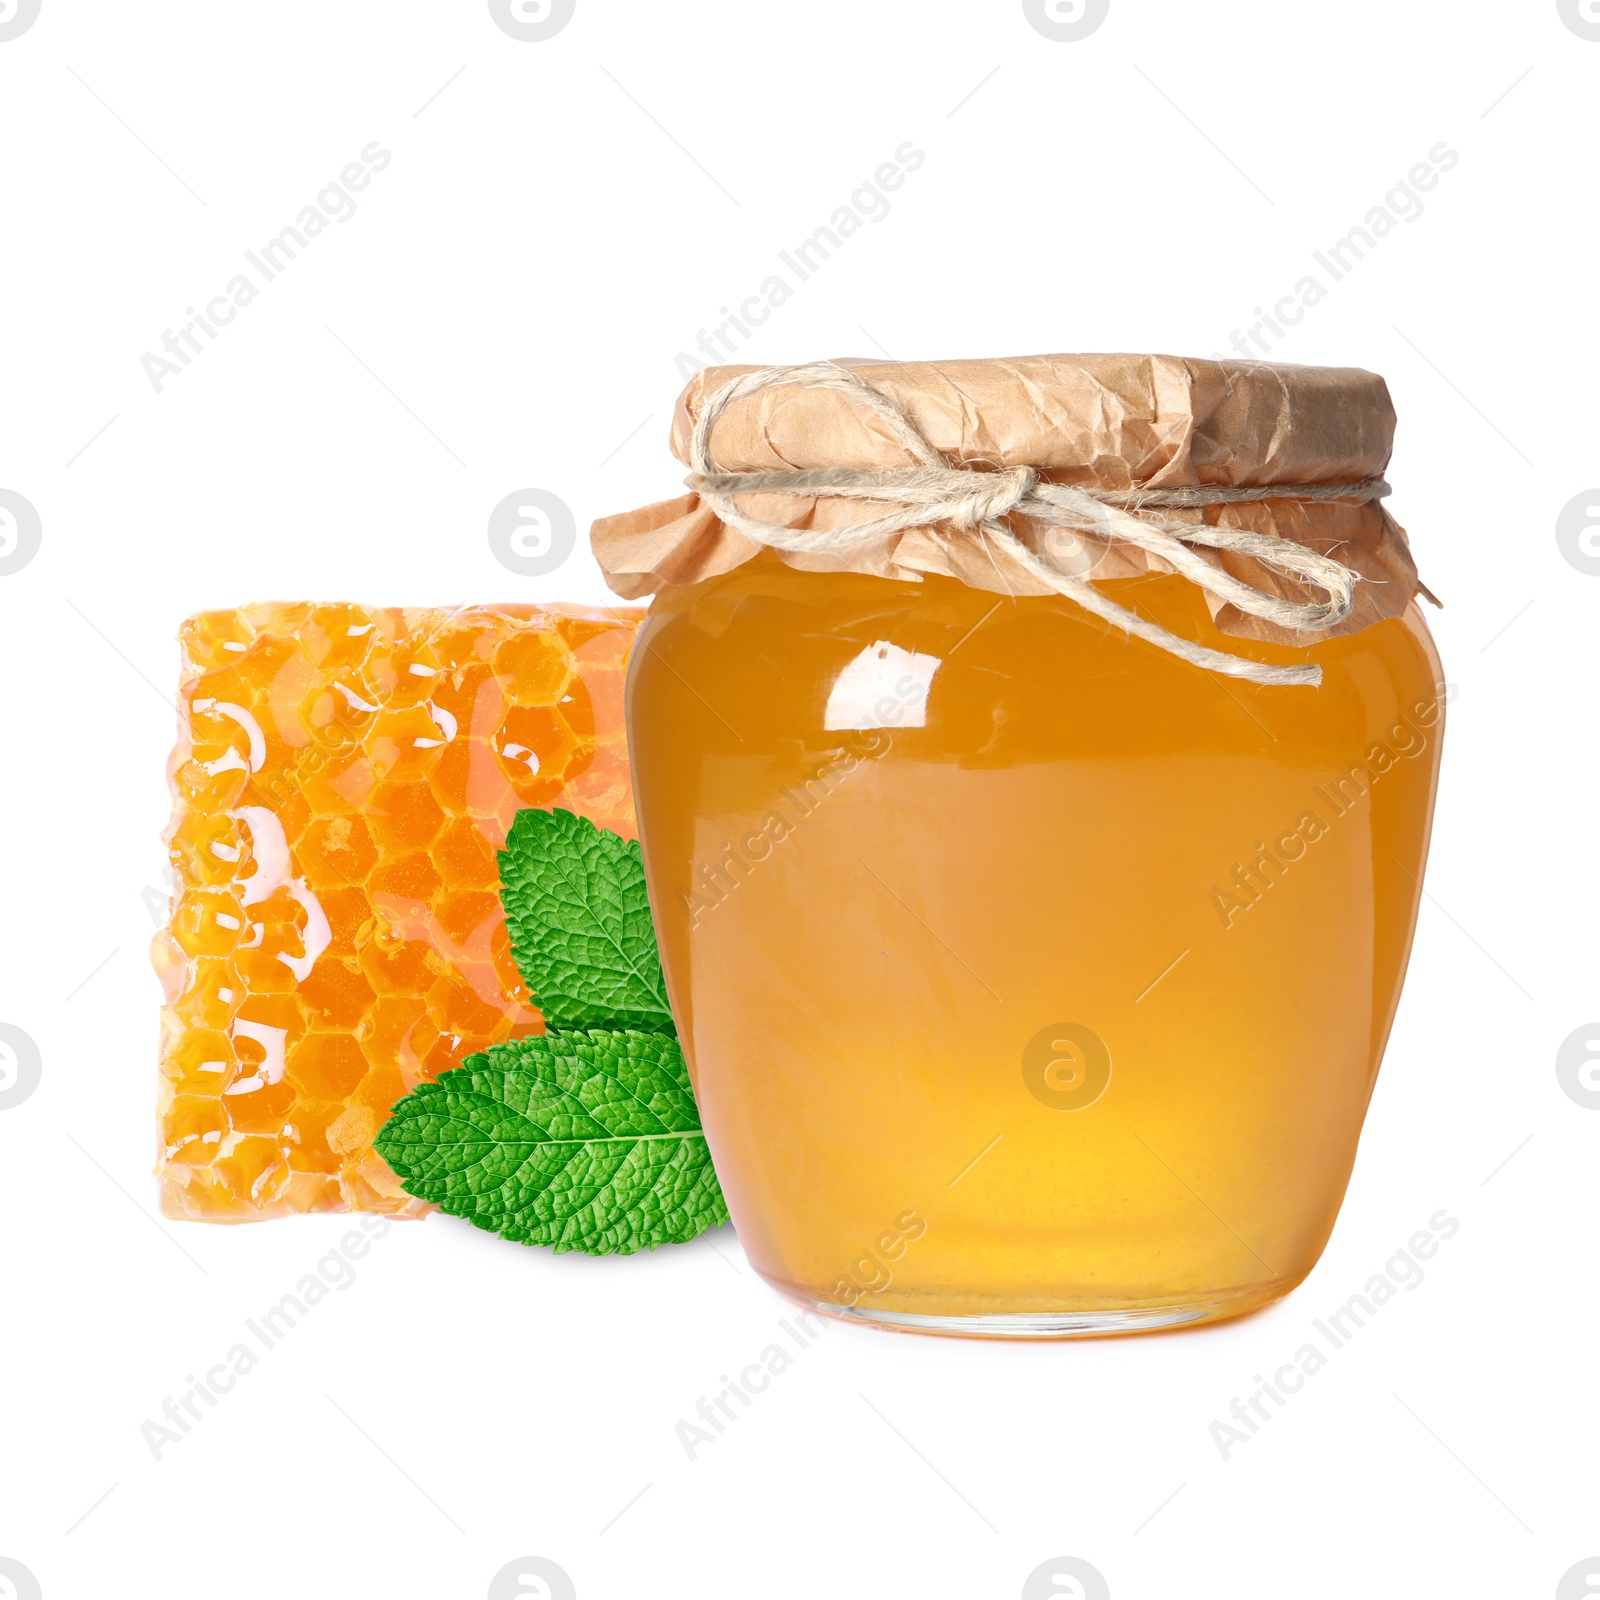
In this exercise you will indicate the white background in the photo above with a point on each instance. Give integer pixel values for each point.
(505, 310)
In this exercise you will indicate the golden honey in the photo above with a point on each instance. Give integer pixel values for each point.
(1032, 980)
(343, 778)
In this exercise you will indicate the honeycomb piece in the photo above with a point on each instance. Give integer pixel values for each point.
(342, 780)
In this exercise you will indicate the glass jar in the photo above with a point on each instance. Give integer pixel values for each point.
(1033, 981)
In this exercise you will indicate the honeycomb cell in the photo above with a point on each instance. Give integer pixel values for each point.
(200, 1053)
(335, 851)
(310, 1148)
(405, 816)
(263, 969)
(253, 1106)
(214, 640)
(342, 779)
(327, 1066)
(469, 639)
(471, 770)
(211, 998)
(194, 1124)
(338, 636)
(267, 1018)
(464, 856)
(349, 917)
(398, 1033)
(338, 712)
(336, 993)
(337, 775)
(405, 671)
(405, 743)
(210, 786)
(381, 1088)
(208, 922)
(247, 1179)
(456, 1008)
(534, 665)
(279, 795)
(405, 883)
(222, 721)
(470, 701)
(396, 965)
(210, 848)
(535, 744)
(468, 917)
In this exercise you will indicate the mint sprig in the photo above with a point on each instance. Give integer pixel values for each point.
(580, 1141)
(579, 920)
(586, 1137)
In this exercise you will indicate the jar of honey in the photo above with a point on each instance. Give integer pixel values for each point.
(1033, 968)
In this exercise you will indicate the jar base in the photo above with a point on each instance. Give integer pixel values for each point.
(1087, 1324)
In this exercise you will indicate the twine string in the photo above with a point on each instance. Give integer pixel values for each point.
(976, 500)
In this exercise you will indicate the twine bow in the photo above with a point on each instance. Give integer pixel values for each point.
(936, 494)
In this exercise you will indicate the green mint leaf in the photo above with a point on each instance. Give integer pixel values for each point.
(579, 920)
(579, 1141)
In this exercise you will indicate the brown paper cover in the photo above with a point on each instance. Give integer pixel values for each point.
(1097, 421)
